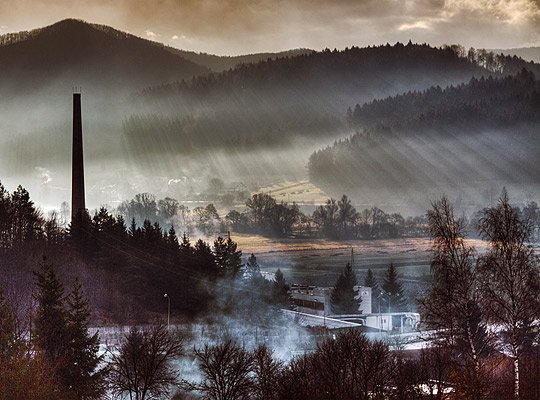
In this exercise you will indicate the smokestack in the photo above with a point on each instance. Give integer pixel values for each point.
(77, 164)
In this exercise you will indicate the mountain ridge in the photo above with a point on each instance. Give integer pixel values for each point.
(83, 52)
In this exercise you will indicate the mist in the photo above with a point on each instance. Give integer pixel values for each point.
(150, 126)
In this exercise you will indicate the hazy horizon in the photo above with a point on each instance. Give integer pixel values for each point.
(240, 27)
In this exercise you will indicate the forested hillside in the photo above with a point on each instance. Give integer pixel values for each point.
(257, 122)
(486, 101)
(221, 63)
(275, 100)
(467, 140)
(78, 53)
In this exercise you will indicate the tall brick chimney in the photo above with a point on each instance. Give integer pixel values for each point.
(77, 164)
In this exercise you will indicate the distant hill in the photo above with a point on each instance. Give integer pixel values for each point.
(222, 63)
(275, 101)
(464, 140)
(486, 101)
(153, 114)
(527, 53)
(40, 68)
(75, 53)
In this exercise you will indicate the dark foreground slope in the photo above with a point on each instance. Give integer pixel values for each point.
(468, 141)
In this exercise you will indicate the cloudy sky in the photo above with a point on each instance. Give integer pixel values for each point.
(246, 26)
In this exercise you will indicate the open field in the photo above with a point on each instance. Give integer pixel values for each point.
(320, 261)
(300, 192)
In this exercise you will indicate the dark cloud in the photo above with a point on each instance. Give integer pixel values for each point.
(241, 26)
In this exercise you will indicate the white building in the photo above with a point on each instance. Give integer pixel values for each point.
(314, 300)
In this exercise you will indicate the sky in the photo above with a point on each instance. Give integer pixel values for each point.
(230, 27)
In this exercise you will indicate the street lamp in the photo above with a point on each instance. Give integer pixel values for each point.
(389, 301)
(168, 309)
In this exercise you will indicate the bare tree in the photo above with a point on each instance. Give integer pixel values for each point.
(142, 366)
(227, 371)
(511, 280)
(267, 372)
(434, 365)
(453, 306)
(347, 367)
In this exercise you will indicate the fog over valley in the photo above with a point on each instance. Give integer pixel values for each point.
(261, 200)
(154, 116)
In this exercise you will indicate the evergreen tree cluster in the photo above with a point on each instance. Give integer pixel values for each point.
(20, 221)
(491, 101)
(343, 294)
(429, 141)
(141, 262)
(480, 104)
(60, 335)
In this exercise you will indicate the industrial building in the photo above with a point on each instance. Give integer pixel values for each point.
(315, 301)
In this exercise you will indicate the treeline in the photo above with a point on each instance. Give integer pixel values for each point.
(493, 61)
(352, 64)
(336, 219)
(129, 268)
(428, 142)
(16, 37)
(269, 102)
(47, 352)
(486, 101)
(263, 214)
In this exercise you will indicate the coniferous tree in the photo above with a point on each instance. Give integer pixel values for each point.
(186, 250)
(343, 294)
(234, 258)
(185, 253)
(25, 218)
(393, 291)
(204, 260)
(220, 255)
(50, 321)
(61, 336)
(5, 218)
(280, 290)
(172, 240)
(83, 377)
(252, 266)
